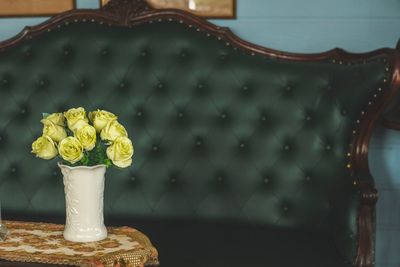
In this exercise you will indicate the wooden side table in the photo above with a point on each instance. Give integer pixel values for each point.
(43, 243)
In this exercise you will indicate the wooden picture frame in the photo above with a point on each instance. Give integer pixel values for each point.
(212, 9)
(34, 8)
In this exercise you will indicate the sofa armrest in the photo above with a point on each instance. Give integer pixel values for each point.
(366, 226)
(354, 225)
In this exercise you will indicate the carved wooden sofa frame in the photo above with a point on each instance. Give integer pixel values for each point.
(126, 13)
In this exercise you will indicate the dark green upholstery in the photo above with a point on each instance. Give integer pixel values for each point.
(253, 147)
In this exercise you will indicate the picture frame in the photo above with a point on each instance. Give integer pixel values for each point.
(211, 9)
(34, 8)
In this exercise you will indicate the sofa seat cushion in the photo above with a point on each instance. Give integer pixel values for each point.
(200, 244)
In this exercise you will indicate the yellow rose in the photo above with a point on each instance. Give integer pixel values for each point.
(52, 130)
(100, 118)
(86, 134)
(79, 124)
(113, 130)
(75, 117)
(71, 149)
(44, 148)
(120, 152)
(56, 118)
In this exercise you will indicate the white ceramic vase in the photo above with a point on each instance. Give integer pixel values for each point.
(84, 195)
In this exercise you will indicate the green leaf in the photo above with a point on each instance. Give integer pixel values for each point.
(108, 163)
(98, 155)
(85, 160)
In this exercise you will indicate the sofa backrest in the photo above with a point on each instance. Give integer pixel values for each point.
(223, 130)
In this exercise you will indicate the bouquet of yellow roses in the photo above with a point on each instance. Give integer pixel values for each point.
(82, 140)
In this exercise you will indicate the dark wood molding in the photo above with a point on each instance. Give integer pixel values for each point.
(126, 10)
(128, 13)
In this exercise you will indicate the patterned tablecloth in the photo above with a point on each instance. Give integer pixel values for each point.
(44, 243)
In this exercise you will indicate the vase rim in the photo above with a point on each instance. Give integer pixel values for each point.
(81, 167)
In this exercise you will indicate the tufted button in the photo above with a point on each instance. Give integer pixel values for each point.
(286, 147)
(55, 173)
(122, 85)
(42, 82)
(266, 180)
(104, 52)
(5, 81)
(139, 113)
(223, 115)
(13, 170)
(200, 86)
(263, 117)
(344, 112)
(66, 52)
(289, 88)
(199, 142)
(28, 52)
(143, 53)
(173, 180)
(180, 114)
(242, 145)
(308, 118)
(328, 147)
(22, 110)
(133, 178)
(285, 208)
(245, 88)
(82, 84)
(155, 148)
(160, 85)
(308, 178)
(220, 178)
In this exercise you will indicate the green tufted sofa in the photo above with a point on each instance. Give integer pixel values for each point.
(245, 156)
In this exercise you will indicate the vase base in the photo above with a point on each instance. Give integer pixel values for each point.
(84, 236)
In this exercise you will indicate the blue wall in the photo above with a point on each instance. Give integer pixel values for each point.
(315, 26)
